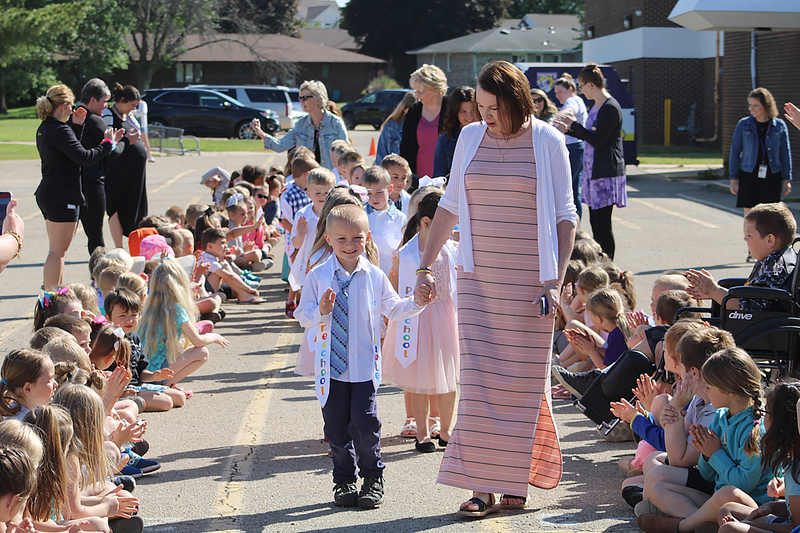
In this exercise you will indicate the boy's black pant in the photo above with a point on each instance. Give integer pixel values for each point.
(353, 429)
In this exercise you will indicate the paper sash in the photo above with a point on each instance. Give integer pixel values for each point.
(319, 336)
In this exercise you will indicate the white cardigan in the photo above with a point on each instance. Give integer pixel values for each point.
(554, 201)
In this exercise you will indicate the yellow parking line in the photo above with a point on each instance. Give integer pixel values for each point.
(192, 202)
(270, 159)
(676, 214)
(32, 215)
(625, 223)
(230, 497)
(170, 182)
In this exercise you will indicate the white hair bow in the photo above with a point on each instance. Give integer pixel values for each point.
(235, 199)
(120, 333)
(361, 191)
(427, 181)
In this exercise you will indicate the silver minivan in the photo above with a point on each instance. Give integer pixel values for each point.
(275, 99)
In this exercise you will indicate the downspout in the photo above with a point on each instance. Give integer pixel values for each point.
(716, 99)
(753, 58)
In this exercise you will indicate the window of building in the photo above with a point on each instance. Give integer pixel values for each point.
(448, 63)
(326, 70)
(189, 72)
(519, 59)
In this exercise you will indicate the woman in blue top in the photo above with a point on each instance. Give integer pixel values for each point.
(392, 128)
(316, 131)
(460, 112)
(761, 161)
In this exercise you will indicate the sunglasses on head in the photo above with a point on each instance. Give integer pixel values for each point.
(263, 196)
(538, 100)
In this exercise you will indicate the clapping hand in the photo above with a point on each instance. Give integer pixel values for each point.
(79, 116)
(685, 390)
(646, 390)
(636, 319)
(705, 440)
(114, 135)
(669, 415)
(701, 284)
(133, 136)
(625, 411)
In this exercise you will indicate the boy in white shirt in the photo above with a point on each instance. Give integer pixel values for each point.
(386, 222)
(400, 173)
(320, 182)
(344, 299)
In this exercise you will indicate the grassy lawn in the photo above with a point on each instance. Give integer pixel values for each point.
(9, 152)
(19, 125)
(679, 155)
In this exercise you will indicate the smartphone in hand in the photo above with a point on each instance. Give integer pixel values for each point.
(5, 199)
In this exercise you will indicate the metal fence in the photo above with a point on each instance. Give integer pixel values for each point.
(171, 140)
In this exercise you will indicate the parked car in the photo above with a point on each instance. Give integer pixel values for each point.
(275, 99)
(207, 113)
(373, 108)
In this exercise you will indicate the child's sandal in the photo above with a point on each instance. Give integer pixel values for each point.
(186, 392)
(436, 426)
(409, 430)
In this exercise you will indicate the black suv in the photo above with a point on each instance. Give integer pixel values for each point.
(373, 108)
(205, 113)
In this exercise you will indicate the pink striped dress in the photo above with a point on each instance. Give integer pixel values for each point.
(504, 437)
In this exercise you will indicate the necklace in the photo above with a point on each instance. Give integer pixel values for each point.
(502, 155)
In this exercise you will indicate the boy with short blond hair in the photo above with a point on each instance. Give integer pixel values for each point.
(386, 222)
(320, 183)
(348, 368)
(80, 330)
(347, 161)
(400, 173)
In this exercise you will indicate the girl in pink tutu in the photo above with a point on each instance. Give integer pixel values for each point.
(424, 349)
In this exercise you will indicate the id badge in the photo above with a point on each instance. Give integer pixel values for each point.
(762, 172)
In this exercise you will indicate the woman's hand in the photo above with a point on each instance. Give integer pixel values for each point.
(114, 135)
(13, 222)
(550, 290)
(79, 116)
(256, 125)
(792, 114)
(734, 186)
(705, 440)
(326, 303)
(563, 122)
(425, 289)
(787, 188)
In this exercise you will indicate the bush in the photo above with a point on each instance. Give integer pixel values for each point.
(381, 82)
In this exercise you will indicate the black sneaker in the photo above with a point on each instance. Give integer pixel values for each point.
(345, 495)
(577, 383)
(371, 494)
(633, 494)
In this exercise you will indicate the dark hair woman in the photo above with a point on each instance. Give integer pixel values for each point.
(760, 161)
(59, 194)
(511, 195)
(424, 121)
(460, 112)
(126, 189)
(603, 184)
(392, 128)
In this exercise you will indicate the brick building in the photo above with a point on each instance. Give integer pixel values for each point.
(660, 59)
(775, 55)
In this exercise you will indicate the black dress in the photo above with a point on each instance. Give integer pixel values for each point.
(126, 193)
(754, 190)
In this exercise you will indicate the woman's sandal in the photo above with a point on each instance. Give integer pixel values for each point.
(409, 430)
(483, 507)
(436, 425)
(512, 505)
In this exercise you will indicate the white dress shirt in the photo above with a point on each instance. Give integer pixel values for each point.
(300, 263)
(361, 341)
(387, 232)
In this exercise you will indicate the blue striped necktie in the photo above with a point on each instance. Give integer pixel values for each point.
(339, 329)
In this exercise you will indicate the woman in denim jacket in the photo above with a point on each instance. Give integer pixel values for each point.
(316, 131)
(760, 162)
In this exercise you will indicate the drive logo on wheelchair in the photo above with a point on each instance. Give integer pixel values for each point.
(736, 315)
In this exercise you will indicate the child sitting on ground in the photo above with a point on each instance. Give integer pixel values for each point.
(320, 183)
(591, 279)
(386, 222)
(77, 327)
(248, 257)
(348, 376)
(214, 246)
(40, 339)
(768, 231)
(400, 173)
(27, 382)
(59, 302)
(606, 310)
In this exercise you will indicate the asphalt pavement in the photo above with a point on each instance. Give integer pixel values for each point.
(246, 453)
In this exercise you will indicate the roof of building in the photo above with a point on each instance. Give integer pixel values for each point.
(311, 9)
(545, 20)
(333, 37)
(264, 47)
(509, 39)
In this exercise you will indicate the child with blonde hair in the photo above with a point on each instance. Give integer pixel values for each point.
(572, 305)
(168, 323)
(606, 309)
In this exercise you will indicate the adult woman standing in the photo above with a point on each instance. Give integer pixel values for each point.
(59, 193)
(565, 93)
(543, 108)
(460, 112)
(603, 184)
(425, 120)
(760, 162)
(392, 128)
(315, 131)
(126, 189)
(517, 230)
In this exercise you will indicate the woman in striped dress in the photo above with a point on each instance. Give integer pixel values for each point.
(510, 191)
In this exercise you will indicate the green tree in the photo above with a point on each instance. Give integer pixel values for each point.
(414, 24)
(520, 8)
(29, 29)
(259, 16)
